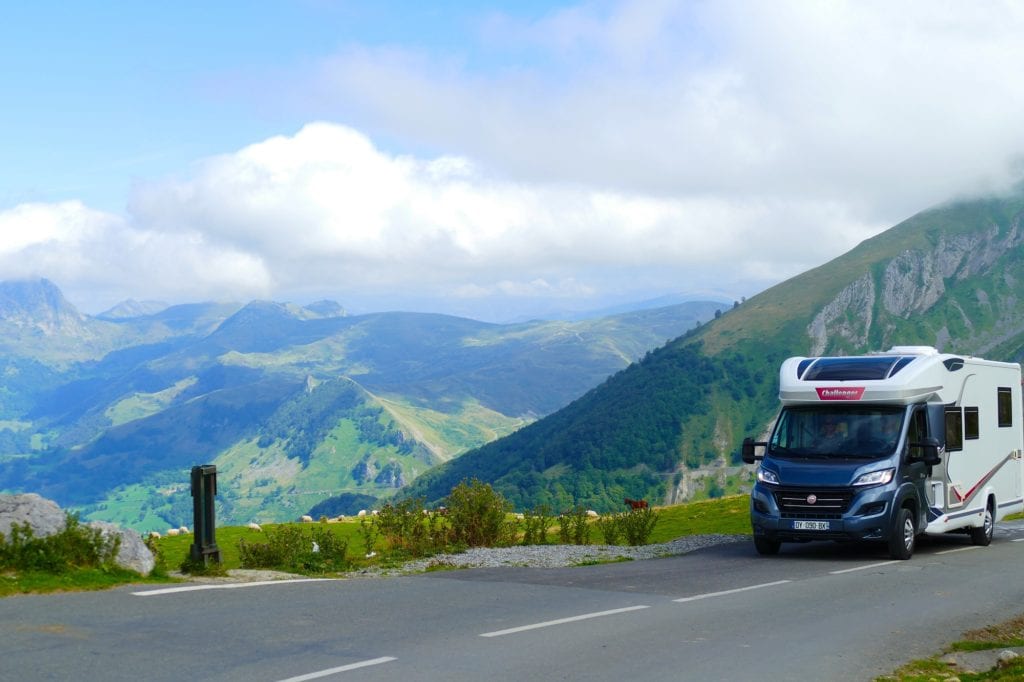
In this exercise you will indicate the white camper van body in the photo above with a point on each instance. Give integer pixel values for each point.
(856, 442)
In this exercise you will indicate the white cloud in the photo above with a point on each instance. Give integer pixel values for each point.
(99, 258)
(325, 207)
(889, 107)
(599, 150)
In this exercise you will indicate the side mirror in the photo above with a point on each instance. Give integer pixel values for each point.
(931, 452)
(748, 451)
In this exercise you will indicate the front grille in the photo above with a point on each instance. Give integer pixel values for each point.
(827, 503)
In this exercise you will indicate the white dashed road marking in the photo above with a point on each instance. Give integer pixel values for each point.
(725, 592)
(224, 586)
(560, 621)
(341, 669)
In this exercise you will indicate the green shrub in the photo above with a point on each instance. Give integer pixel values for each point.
(288, 548)
(369, 530)
(76, 546)
(408, 529)
(159, 561)
(573, 527)
(610, 526)
(476, 513)
(536, 525)
(638, 524)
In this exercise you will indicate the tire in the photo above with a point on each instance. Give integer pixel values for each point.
(766, 546)
(983, 536)
(902, 536)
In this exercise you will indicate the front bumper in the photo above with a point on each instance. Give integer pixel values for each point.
(863, 514)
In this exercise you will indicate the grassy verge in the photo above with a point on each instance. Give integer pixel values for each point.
(727, 515)
(79, 580)
(991, 638)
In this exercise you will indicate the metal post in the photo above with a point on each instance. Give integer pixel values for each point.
(204, 487)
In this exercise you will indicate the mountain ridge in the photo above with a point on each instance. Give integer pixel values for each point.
(951, 276)
(339, 404)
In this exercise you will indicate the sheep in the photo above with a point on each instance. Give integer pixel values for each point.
(184, 530)
(362, 513)
(306, 518)
(154, 534)
(255, 526)
(591, 514)
(171, 532)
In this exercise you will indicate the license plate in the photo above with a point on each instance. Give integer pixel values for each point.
(810, 525)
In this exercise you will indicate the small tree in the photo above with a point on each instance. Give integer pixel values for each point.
(536, 525)
(638, 524)
(476, 513)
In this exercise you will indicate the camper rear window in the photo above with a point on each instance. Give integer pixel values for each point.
(971, 428)
(1005, 398)
(854, 368)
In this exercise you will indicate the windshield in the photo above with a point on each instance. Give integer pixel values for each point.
(837, 431)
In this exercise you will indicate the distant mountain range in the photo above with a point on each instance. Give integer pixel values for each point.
(297, 405)
(668, 427)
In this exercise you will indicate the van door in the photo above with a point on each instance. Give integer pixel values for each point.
(914, 468)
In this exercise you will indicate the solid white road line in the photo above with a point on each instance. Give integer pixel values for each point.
(225, 586)
(341, 669)
(1018, 540)
(863, 568)
(725, 592)
(959, 549)
(560, 621)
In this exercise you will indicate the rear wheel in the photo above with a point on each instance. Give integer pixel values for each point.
(765, 546)
(903, 535)
(983, 535)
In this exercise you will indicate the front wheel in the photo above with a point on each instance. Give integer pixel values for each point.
(765, 546)
(983, 536)
(902, 537)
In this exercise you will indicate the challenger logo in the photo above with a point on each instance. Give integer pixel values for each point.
(840, 392)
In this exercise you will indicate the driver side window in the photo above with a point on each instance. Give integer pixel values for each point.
(917, 432)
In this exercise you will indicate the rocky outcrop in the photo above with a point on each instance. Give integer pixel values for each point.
(848, 316)
(132, 552)
(45, 518)
(912, 283)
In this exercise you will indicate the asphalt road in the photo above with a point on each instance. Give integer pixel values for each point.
(815, 612)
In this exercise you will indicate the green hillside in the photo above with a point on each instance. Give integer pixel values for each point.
(668, 427)
(294, 405)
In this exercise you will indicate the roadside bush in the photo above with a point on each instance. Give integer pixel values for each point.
(536, 525)
(407, 528)
(573, 527)
(159, 560)
(610, 526)
(638, 524)
(76, 546)
(369, 531)
(476, 513)
(288, 548)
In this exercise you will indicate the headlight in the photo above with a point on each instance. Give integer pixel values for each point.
(765, 476)
(880, 477)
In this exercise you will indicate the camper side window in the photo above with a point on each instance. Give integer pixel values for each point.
(971, 429)
(954, 429)
(1005, 397)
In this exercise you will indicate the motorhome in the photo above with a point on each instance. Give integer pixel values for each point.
(886, 446)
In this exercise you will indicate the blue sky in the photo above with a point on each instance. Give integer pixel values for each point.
(486, 159)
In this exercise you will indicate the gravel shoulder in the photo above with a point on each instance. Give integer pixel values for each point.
(553, 556)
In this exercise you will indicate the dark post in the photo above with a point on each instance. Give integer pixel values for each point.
(204, 487)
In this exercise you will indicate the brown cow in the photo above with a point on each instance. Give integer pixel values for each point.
(636, 504)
